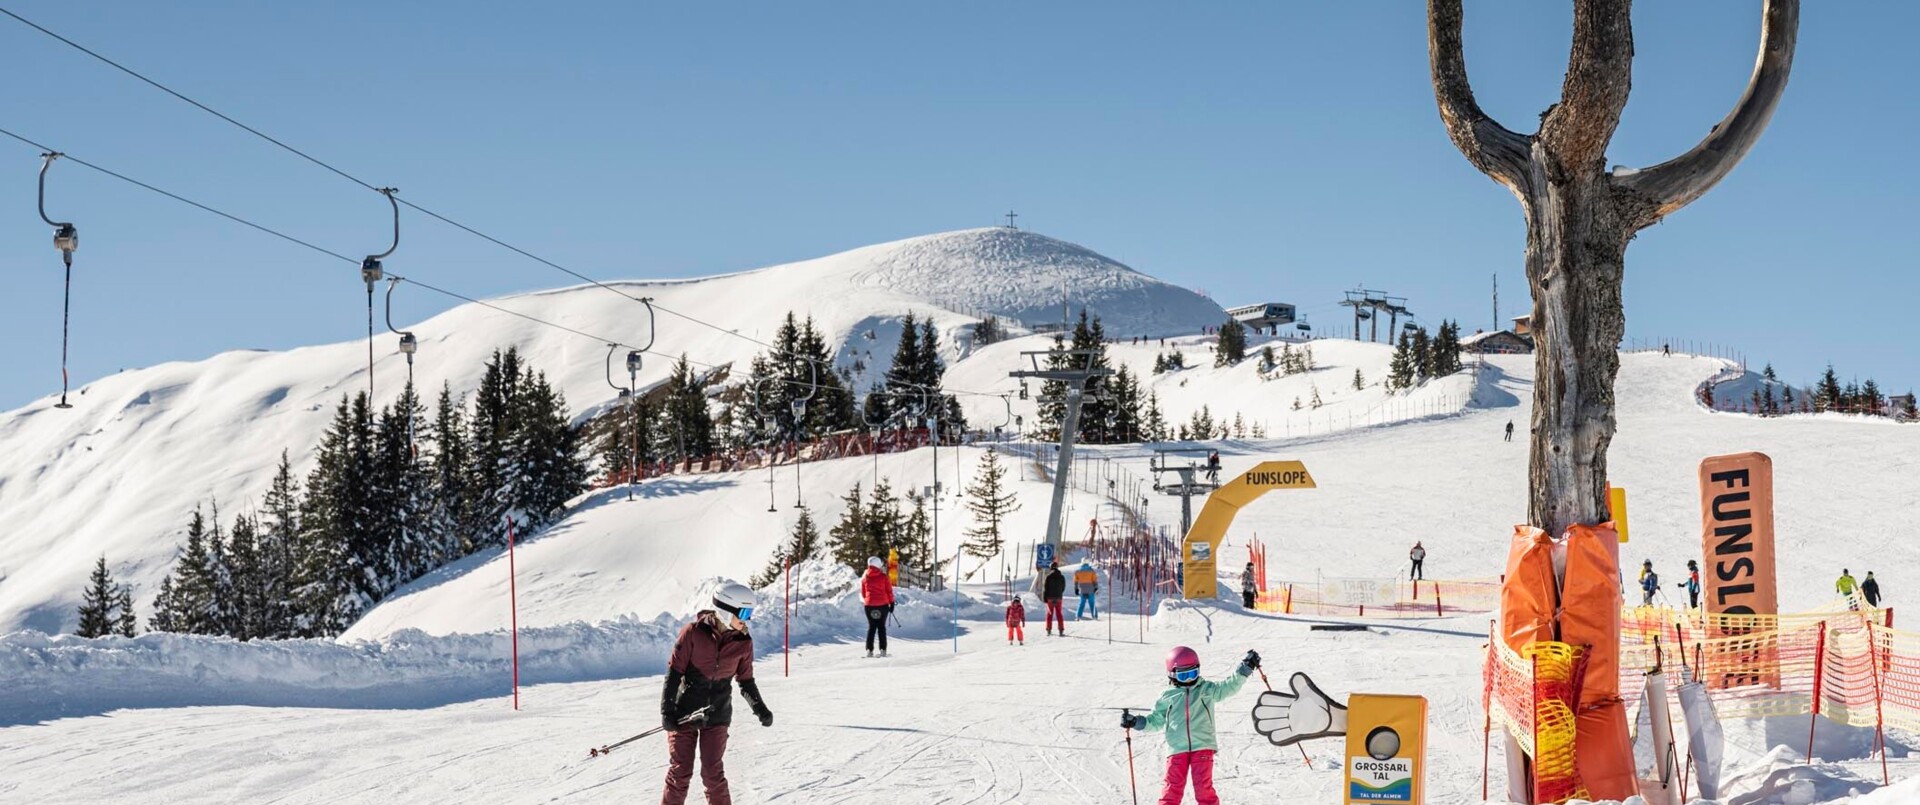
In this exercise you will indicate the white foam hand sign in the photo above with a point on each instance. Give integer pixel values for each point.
(1304, 714)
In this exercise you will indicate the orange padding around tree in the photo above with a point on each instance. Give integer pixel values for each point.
(1527, 597)
(1590, 618)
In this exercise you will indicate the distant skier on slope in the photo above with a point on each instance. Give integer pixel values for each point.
(1419, 557)
(1247, 591)
(1649, 583)
(1016, 621)
(1692, 584)
(710, 653)
(1213, 466)
(1086, 584)
(1052, 590)
(1186, 713)
(1870, 589)
(1509, 430)
(1845, 586)
(876, 595)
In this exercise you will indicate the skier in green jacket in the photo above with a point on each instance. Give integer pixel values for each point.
(1186, 713)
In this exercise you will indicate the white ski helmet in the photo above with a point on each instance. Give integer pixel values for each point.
(735, 599)
(874, 562)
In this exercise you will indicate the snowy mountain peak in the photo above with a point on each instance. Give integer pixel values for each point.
(1026, 276)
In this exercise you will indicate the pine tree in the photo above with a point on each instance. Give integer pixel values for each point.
(164, 618)
(453, 505)
(330, 518)
(1156, 419)
(1267, 360)
(914, 537)
(803, 543)
(125, 624)
(96, 603)
(1767, 406)
(1316, 397)
(687, 427)
(1827, 393)
(1359, 380)
(1768, 373)
(193, 594)
(988, 331)
(491, 437)
(1126, 425)
(1239, 426)
(1200, 424)
(990, 502)
(546, 461)
(1232, 344)
(1786, 396)
(1422, 345)
(247, 605)
(1446, 349)
(1872, 402)
(279, 535)
(1400, 371)
(849, 537)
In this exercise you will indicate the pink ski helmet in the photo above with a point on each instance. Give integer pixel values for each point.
(1182, 658)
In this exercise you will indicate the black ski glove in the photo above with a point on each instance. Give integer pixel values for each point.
(668, 722)
(1252, 660)
(889, 609)
(751, 689)
(1129, 720)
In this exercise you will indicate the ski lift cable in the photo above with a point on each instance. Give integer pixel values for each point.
(384, 191)
(451, 294)
(182, 199)
(311, 158)
(423, 285)
(66, 238)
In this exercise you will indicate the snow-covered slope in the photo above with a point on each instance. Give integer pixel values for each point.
(119, 473)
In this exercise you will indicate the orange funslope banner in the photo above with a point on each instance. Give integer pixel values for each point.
(1590, 619)
(1736, 529)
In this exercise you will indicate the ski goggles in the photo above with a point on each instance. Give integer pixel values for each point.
(1187, 674)
(745, 613)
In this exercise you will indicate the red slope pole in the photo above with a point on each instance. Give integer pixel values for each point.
(786, 621)
(1819, 672)
(513, 607)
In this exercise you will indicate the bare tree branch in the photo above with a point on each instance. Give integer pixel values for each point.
(1496, 151)
(1677, 182)
(1599, 76)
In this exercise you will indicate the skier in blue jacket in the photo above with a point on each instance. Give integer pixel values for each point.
(1186, 713)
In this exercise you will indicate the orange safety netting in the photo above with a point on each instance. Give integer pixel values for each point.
(1846, 664)
(1381, 598)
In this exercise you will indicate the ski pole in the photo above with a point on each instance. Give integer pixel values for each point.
(697, 715)
(1132, 782)
(1303, 750)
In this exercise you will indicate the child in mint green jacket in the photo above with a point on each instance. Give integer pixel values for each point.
(1186, 713)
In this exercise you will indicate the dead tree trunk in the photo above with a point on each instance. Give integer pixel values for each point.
(1580, 217)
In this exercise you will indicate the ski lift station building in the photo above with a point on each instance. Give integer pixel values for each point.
(1264, 318)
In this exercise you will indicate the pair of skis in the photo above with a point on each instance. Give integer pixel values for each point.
(697, 715)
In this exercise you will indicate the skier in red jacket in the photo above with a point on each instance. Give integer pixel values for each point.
(876, 594)
(1016, 621)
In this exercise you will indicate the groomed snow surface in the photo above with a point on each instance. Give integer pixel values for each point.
(418, 711)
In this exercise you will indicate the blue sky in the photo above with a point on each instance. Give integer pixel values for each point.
(1260, 150)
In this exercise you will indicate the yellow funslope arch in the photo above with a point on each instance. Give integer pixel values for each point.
(1201, 563)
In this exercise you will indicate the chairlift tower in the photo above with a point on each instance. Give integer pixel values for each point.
(1369, 305)
(1076, 380)
(1189, 485)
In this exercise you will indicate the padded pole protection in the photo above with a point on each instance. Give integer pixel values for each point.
(1591, 619)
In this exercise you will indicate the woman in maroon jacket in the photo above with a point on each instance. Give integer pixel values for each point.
(876, 595)
(711, 652)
